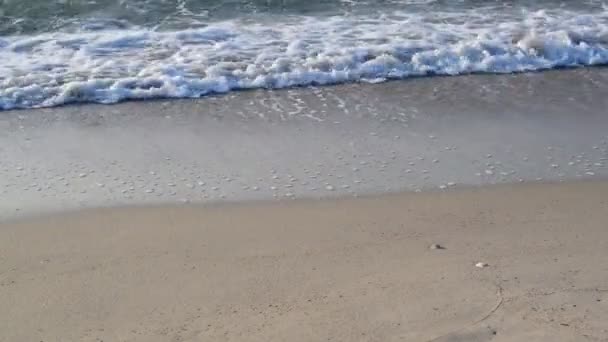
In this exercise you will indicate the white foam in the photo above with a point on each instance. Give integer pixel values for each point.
(114, 65)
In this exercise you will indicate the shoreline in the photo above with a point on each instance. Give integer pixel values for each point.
(226, 204)
(315, 269)
(387, 81)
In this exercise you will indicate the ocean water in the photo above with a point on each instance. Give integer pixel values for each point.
(54, 52)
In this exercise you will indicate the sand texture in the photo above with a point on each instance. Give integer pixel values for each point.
(329, 270)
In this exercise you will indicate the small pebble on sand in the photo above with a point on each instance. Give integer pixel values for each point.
(481, 265)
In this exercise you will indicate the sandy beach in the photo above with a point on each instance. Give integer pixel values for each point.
(303, 170)
(332, 270)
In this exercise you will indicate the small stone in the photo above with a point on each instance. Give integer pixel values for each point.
(481, 265)
(436, 246)
(329, 188)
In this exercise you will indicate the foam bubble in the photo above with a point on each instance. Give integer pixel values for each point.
(113, 65)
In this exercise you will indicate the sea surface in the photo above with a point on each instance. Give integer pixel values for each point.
(55, 52)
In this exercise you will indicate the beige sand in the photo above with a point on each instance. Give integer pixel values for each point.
(348, 270)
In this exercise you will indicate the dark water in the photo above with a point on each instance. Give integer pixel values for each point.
(35, 16)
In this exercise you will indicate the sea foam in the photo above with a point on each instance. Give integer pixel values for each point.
(108, 66)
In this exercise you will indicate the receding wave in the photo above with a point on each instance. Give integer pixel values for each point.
(272, 51)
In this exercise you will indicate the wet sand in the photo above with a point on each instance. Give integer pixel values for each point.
(420, 134)
(305, 270)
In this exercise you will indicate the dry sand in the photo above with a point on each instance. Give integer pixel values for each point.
(330, 270)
